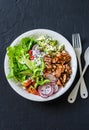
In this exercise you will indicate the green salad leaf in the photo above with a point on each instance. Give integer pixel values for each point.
(16, 56)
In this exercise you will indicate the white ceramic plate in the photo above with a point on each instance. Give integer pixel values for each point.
(61, 39)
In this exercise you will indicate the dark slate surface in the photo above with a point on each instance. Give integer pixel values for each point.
(65, 17)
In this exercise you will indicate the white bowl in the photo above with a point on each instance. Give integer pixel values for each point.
(61, 39)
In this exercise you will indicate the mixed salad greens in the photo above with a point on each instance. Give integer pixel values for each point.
(26, 64)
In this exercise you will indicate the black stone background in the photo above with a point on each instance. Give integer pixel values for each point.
(66, 17)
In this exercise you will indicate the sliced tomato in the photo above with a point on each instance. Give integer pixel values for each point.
(33, 82)
(26, 83)
(33, 90)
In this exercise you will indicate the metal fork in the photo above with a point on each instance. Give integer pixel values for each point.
(76, 41)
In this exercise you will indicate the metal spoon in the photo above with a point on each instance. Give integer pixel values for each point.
(73, 94)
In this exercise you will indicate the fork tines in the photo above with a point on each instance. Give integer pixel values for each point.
(76, 41)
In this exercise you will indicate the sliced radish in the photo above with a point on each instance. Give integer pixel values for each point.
(36, 53)
(55, 87)
(51, 77)
(35, 47)
(45, 90)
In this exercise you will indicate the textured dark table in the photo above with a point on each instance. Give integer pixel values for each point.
(65, 17)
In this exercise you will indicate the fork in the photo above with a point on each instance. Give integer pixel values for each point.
(76, 41)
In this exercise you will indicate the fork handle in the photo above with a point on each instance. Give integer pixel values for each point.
(80, 67)
(72, 96)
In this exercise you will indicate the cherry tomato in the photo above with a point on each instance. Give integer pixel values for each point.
(31, 57)
(30, 52)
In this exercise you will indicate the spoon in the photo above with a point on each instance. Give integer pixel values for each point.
(72, 96)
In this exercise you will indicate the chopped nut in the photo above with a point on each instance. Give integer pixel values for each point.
(48, 65)
(55, 60)
(54, 66)
(58, 65)
(64, 78)
(58, 72)
(59, 82)
(47, 58)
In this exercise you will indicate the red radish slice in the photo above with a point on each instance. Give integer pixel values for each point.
(40, 92)
(45, 90)
(55, 87)
(35, 47)
(51, 77)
